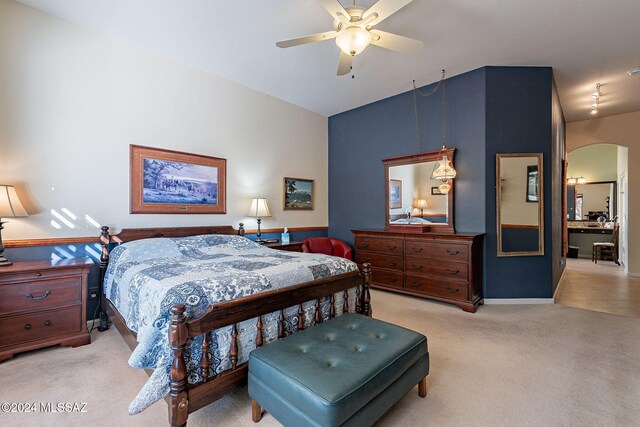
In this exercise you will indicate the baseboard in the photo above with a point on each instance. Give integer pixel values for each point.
(560, 282)
(505, 301)
(636, 275)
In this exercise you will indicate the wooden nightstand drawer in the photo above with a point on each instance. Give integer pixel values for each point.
(37, 274)
(40, 294)
(31, 327)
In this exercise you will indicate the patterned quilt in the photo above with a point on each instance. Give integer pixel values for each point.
(146, 277)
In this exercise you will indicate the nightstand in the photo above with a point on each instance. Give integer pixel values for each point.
(43, 303)
(291, 246)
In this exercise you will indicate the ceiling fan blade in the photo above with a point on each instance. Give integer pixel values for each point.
(307, 39)
(395, 42)
(334, 8)
(384, 9)
(344, 66)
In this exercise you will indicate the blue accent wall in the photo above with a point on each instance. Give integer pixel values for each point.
(359, 139)
(489, 111)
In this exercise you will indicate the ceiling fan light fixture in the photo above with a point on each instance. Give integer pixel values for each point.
(353, 40)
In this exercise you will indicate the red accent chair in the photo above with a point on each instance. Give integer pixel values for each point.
(328, 246)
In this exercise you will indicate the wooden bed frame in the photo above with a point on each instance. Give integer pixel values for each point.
(185, 398)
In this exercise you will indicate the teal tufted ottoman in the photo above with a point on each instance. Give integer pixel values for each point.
(347, 371)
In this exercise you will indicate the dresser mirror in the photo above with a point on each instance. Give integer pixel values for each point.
(519, 196)
(414, 201)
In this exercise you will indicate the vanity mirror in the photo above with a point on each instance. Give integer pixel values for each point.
(416, 203)
(519, 197)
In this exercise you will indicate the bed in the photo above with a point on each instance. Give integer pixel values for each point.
(195, 351)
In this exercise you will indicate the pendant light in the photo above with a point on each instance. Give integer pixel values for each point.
(443, 169)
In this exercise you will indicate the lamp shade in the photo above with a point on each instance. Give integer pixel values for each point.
(353, 40)
(259, 208)
(421, 204)
(10, 206)
(444, 170)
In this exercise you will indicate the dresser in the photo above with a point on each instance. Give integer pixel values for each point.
(441, 267)
(43, 303)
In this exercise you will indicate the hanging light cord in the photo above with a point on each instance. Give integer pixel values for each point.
(417, 92)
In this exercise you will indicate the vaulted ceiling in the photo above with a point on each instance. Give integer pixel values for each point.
(585, 41)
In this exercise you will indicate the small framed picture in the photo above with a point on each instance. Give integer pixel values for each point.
(395, 194)
(298, 194)
(435, 191)
(173, 182)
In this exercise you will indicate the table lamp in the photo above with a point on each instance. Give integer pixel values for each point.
(259, 209)
(422, 205)
(10, 207)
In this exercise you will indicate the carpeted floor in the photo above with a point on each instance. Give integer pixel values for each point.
(503, 366)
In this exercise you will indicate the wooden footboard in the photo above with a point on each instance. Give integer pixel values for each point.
(185, 398)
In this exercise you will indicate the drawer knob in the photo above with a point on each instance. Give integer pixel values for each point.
(47, 323)
(43, 296)
(417, 249)
(417, 285)
(364, 245)
(391, 248)
(417, 267)
(450, 271)
(450, 252)
(27, 326)
(391, 279)
(391, 263)
(38, 274)
(452, 290)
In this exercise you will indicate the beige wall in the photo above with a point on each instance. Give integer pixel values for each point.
(623, 129)
(71, 102)
(595, 163)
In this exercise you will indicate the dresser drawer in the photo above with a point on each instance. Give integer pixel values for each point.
(380, 244)
(40, 294)
(387, 278)
(433, 267)
(38, 275)
(434, 287)
(441, 251)
(381, 261)
(31, 327)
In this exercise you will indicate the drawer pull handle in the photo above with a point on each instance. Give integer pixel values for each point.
(391, 263)
(417, 267)
(453, 291)
(47, 323)
(366, 260)
(43, 296)
(27, 326)
(450, 271)
(391, 248)
(417, 285)
(450, 252)
(391, 279)
(417, 249)
(364, 245)
(38, 274)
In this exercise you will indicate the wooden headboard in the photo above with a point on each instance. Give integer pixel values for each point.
(130, 234)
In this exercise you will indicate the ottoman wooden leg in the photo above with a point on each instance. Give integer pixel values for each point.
(256, 411)
(422, 387)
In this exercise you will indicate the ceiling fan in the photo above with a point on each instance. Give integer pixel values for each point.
(353, 31)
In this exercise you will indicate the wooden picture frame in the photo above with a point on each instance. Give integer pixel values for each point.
(532, 184)
(435, 191)
(297, 194)
(173, 182)
(395, 194)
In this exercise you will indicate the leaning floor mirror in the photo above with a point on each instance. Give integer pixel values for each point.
(519, 197)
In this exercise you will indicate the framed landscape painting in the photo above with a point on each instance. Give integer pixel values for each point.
(173, 182)
(298, 194)
(395, 194)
